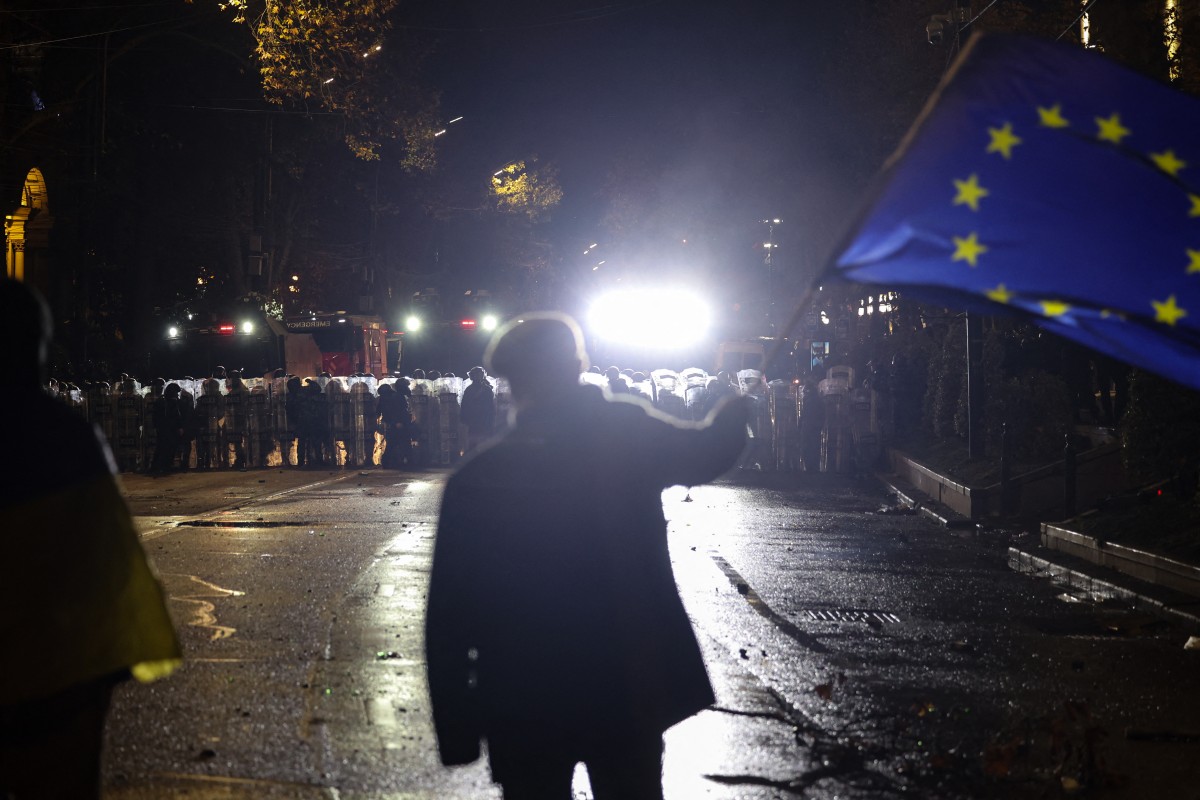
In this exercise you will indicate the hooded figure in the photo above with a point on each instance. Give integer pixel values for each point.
(553, 630)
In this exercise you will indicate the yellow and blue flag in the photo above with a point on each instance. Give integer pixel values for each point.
(81, 600)
(1049, 181)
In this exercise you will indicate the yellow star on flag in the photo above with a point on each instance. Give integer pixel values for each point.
(1003, 140)
(1168, 162)
(968, 249)
(1052, 117)
(1195, 212)
(1167, 311)
(1193, 261)
(969, 192)
(1111, 129)
(1000, 294)
(1054, 308)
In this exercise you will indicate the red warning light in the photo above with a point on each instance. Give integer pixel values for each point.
(224, 328)
(467, 323)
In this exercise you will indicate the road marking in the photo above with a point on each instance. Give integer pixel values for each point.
(204, 614)
(253, 787)
(762, 609)
(167, 527)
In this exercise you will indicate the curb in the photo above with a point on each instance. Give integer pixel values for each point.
(926, 506)
(1148, 597)
(1061, 567)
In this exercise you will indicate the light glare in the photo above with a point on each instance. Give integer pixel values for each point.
(660, 318)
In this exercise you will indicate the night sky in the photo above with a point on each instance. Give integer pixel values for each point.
(731, 105)
(668, 122)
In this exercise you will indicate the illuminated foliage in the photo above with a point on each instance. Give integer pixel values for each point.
(526, 189)
(343, 57)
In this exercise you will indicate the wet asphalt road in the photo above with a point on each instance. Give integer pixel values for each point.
(856, 652)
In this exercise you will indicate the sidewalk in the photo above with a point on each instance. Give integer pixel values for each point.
(1077, 575)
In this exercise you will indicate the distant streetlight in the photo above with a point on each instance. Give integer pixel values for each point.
(448, 124)
(770, 246)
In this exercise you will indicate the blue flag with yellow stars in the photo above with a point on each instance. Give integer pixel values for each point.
(1047, 180)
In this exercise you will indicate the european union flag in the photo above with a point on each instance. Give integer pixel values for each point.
(1045, 179)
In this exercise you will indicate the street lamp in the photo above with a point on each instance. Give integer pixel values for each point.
(770, 247)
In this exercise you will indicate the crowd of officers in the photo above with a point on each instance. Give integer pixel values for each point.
(230, 421)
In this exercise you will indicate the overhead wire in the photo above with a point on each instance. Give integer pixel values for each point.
(86, 8)
(987, 8)
(91, 35)
(1074, 22)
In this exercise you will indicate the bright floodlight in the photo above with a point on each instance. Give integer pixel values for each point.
(172, 332)
(247, 327)
(412, 324)
(489, 322)
(659, 318)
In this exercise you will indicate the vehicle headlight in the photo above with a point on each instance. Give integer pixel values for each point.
(172, 332)
(247, 327)
(489, 322)
(661, 318)
(412, 324)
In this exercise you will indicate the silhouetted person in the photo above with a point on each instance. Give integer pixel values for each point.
(395, 416)
(313, 428)
(168, 428)
(187, 417)
(554, 629)
(83, 610)
(294, 428)
(237, 412)
(478, 408)
(616, 382)
(210, 419)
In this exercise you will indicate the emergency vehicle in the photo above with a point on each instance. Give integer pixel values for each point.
(446, 334)
(246, 338)
(337, 343)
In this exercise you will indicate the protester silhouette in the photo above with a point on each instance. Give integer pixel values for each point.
(554, 629)
(83, 610)
(478, 408)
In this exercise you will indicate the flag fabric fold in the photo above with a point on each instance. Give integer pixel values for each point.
(1046, 180)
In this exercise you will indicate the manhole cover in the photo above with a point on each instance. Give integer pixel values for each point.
(849, 615)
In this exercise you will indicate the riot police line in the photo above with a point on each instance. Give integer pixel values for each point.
(252, 422)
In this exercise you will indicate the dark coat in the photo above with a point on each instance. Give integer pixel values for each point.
(478, 408)
(551, 565)
(394, 408)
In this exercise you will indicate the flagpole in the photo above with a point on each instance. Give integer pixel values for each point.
(974, 388)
